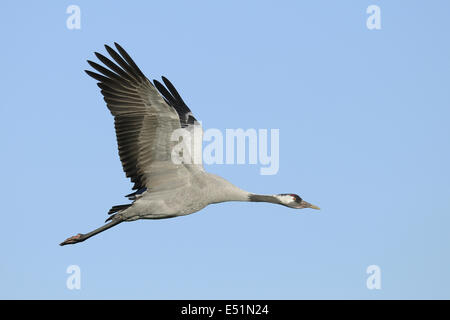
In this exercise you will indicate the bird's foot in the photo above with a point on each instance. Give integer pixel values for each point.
(72, 240)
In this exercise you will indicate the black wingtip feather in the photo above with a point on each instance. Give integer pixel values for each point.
(90, 73)
(129, 60)
(172, 90)
(126, 65)
(97, 76)
(166, 94)
(99, 55)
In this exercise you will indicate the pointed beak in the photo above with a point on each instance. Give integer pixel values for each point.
(309, 205)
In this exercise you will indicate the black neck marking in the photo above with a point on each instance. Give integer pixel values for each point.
(263, 198)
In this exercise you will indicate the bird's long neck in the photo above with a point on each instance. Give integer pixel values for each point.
(229, 192)
(263, 198)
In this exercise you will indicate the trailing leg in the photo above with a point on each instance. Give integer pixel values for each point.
(81, 237)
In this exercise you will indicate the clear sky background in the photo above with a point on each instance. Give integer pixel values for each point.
(364, 133)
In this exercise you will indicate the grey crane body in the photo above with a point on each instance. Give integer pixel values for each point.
(145, 116)
(203, 189)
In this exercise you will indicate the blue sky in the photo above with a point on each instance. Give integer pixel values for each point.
(363, 118)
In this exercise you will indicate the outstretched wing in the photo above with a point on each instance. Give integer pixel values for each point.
(144, 120)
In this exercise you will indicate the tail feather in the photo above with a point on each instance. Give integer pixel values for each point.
(118, 208)
(136, 194)
(111, 217)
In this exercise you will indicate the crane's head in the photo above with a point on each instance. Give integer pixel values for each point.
(294, 201)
